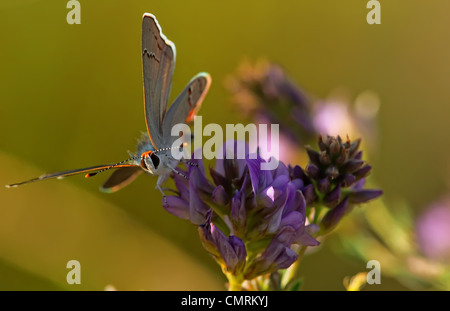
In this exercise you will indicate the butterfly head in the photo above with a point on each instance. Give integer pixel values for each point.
(150, 161)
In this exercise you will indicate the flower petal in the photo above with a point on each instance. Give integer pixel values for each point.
(281, 170)
(231, 249)
(234, 151)
(293, 219)
(219, 196)
(267, 197)
(199, 182)
(304, 238)
(177, 206)
(332, 218)
(238, 210)
(332, 198)
(364, 195)
(239, 248)
(309, 193)
(198, 210)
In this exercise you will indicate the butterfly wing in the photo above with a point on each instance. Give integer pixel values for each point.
(120, 178)
(69, 173)
(158, 61)
(186, 105)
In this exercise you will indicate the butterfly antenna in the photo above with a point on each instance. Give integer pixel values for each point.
(110, 167)
(170, 148)
(181, 146)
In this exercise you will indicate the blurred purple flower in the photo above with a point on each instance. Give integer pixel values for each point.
(433, 231)
(333, 118)
(265, 93)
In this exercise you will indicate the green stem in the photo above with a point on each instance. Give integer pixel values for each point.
(317, 212)
(235, 282)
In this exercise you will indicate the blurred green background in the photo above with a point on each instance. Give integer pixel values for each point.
(71, 96)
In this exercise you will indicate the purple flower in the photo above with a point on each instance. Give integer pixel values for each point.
(229, 252)
(333, 118)
(188, 203)
(433, 231)
(263, 91)
(278, 255)
(248, 218)
(337, 116)
(334, 178)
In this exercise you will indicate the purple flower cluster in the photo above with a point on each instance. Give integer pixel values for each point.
(248, 218)
(433, 231)
(255, 222)
(334, 179)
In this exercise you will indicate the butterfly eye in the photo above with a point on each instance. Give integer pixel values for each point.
(155, 160)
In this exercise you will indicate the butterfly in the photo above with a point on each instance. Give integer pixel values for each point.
(154, 149)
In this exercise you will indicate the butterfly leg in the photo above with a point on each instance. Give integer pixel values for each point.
(179, 173)
(159, 183)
